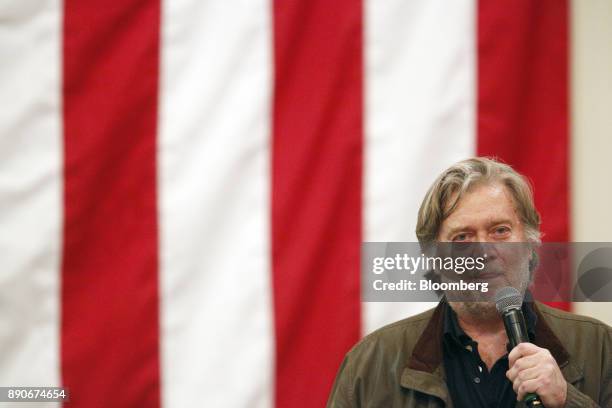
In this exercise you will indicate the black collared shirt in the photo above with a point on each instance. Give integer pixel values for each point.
(469, 381)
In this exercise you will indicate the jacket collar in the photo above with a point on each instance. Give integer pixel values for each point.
(427, 353)
(424, 373)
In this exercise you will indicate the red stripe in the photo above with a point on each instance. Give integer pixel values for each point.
(523, 99)
(110, 328)
(316, 193)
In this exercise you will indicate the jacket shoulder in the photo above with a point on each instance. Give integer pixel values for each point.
(411, 322)
(560, 318)
(371, 371)
(585, 338)
(395, 340)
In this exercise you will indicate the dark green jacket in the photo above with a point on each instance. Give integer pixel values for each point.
(401, 364)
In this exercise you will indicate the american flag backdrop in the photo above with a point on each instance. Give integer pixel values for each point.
(185, 184)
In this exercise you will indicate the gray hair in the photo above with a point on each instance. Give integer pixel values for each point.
(459, 179)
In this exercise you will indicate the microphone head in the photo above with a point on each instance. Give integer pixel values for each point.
(508, 298)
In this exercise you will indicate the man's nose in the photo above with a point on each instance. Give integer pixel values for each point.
(484, 249)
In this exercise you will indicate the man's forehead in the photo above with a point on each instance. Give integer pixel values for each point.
(485, 204)
(493, 194)
(467, 222)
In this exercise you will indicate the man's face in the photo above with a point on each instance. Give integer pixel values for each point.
(487, 215)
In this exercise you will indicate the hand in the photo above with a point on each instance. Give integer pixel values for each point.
(534, 369)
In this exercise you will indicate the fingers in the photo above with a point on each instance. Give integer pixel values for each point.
(523, 363)
(522, 350)
(524, 375)
(526, 387)
(526, 378)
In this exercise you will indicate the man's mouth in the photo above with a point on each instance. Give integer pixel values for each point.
(487, 275)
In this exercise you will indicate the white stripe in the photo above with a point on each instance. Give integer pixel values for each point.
(591, 98)
(216, 315)
(30, 192)
(420, 93)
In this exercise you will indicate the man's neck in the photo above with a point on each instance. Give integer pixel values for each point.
(488, 331)
(480, 325)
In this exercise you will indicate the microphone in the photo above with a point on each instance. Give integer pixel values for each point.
(508, 302)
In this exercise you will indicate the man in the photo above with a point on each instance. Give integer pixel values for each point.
(456, 354)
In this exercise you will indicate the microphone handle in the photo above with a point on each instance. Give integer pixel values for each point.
(516, 329)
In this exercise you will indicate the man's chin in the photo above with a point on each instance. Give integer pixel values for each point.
(482, 310)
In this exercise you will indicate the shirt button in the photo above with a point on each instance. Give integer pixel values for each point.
(477, 380)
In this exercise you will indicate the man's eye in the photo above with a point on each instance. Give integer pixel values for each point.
(460, 237)
(502, 230)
